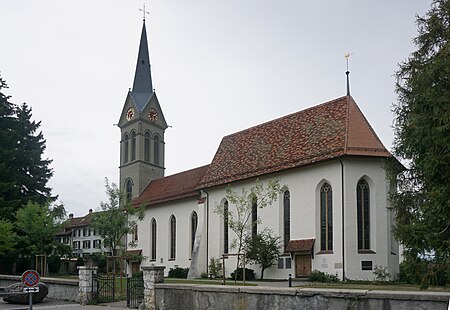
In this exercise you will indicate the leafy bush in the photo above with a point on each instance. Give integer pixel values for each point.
(204, 275)
(138, 274)
(215, 267)
(381, 273)
(80, 262)
(249, 274)
(100, 260)
(319, 276)
(179, 273)
(54, 263)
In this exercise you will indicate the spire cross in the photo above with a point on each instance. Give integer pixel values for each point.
(144, 12)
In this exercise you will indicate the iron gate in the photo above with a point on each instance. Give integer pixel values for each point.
(103, 287)
(135, 291)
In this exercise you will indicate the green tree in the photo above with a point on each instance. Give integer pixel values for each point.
(263, 249)
(23, 172)
(8, 237)
(239, 219)
(116, 219)
(422, 143)
(38, 225)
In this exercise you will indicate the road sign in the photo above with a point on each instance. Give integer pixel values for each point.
(30, 278)
(31, 289)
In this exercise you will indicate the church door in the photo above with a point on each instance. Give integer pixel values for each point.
(302, 265)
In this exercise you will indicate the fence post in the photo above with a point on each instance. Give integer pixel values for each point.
(86, 284)
(152, 275)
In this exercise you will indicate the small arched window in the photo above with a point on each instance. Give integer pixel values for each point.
(254, 215)
(173, 237)
(147, 146)
(194, 223)
(129, 189)
(225, 228)
(125, 148)
(326, 218)
(363, 214)
(153, 238)
(156, 149)
(133, 146)
(286, 218)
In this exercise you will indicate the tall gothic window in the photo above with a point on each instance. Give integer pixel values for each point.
(286, 218)
(125, 149)
(173, 237)
(254, 216)
(147, 146)
(129, 189)
(363, 214)
(194, 222)
(133, 146)
(225, 228)
(156, 149)
(153, 228)
(326, 218)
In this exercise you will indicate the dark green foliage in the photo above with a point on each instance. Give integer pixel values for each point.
(99, 260)
(422, 142)
(424, 273)
(80, 261)
(238, 275)
(138, 274)
(262, 249)
(54, 263)
(179, 273)
(23, 264)
(319, 276)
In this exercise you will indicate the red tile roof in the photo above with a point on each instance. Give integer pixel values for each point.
(329, 130)
(301, 245)
(173, 187)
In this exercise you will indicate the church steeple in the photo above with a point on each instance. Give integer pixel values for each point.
(143, 77)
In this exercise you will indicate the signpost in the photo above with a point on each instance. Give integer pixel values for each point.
(31, 278)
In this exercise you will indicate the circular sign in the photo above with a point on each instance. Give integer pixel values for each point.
(30, 278)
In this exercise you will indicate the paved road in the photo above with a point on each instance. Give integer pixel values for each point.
(49, 303)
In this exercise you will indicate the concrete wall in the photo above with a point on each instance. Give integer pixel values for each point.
(229, 298)
(57, 288)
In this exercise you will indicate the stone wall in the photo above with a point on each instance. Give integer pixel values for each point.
(62, 289)
(184, 296)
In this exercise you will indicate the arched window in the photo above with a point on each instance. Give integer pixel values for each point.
(286, 218)
(254, 216)
(129, 189)
(326, 218)
(125, 149)
(173, 237)
(153, 228)
(133, 146)
(363, 214)
(147, 146)
(194, 222)
(156, 149)
(225, 228)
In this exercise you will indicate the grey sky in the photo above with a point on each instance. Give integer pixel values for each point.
(218, 67)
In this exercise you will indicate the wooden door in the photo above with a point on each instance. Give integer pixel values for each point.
(302, 265)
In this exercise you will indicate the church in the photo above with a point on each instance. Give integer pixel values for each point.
(331, 213)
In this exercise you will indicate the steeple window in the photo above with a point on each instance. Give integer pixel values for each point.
(156, 149)
(125, 148)
(133, 146)
(147, 146)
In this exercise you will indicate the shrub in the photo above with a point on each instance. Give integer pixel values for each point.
(204, 275)
(249, 274)
(138, 274)
(319, 276)
(215, 267)
(80, 261)
(381, 273)
(179, 273)
(54, 263)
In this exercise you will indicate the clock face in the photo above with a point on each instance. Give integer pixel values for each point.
(153, 115)
(130, 114)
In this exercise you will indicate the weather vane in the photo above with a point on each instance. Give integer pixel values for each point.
(144, 11)
(347, 56)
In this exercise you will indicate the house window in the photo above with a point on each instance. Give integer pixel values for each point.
(156, 149)
(194, 222)
(133, 146)
(254, 216)
(76, 245)
(97, 244)
(363, 214)
(288, 263)
(129, 189)
(225, 228)
(86, 232)
(287, 218)
(326, 218)
(134, 233)
(87, 244)
(173, 236)
(153, 227)
(125, 149)
(147, 146)
(280, 263)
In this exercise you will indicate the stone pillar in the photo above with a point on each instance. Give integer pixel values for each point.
(152, 275)
(87, 284)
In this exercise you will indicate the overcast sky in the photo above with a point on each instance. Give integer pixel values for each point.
(218, 67)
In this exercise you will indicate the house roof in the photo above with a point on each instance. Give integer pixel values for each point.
(173, 187)
(326, 131)
(300, 245)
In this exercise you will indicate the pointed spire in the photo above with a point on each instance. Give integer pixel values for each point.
(143, 77)
(348, 74)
